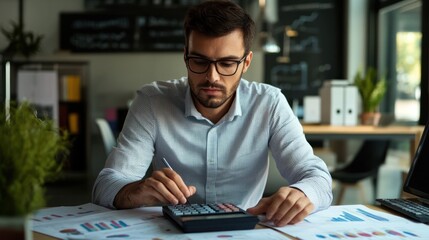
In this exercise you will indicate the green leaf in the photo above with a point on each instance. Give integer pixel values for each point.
(31, 151)
(370, 89)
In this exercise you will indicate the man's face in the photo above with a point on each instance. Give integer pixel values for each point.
(211, 89)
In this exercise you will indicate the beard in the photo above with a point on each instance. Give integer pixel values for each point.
(213, 101)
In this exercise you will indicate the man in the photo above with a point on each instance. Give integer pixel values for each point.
(215, 130)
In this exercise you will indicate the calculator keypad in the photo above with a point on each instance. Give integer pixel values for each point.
(198, 209)
(209, 217)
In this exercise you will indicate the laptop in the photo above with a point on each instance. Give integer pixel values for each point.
(416, 184)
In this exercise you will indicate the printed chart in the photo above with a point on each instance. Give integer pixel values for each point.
(62, 213)
(356, 222)
(349, 217)
(363, 231)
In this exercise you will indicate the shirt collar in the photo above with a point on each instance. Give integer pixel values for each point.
(234, 110)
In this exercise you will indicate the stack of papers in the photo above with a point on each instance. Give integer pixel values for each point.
(90, 221)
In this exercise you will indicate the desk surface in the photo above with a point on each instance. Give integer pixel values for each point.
(328, 132)
(39, 236)
(412, 133)
(365, 131)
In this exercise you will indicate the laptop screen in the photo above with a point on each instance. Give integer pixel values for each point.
(417, 178)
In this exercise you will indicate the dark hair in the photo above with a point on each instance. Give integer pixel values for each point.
(218, 18)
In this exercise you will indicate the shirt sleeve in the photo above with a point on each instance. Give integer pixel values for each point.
(295, 158)
(130, 159)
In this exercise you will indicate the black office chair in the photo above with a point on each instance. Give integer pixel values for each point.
(365, 163)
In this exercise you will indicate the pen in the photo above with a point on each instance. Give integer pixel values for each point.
(168, 165)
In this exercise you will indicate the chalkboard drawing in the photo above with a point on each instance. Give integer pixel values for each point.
(151, 30)
(310, 44)
(100, 41)
(321, 73)
(302, 20)
(290, 77)
(160, 33)
(82, 32)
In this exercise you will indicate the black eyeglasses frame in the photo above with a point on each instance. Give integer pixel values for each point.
(238, 62)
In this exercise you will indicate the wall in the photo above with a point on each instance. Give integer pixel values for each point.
(356, 36)
(113, 77)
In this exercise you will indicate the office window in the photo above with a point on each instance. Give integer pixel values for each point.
(408, 73)
(399, 59)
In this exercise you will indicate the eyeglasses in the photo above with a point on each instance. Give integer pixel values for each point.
(224, 67)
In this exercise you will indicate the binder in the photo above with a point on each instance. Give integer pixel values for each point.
(74, 123)
(70, 88)
(312, 109)
(332, 104)
(339, 103)
(351, 105)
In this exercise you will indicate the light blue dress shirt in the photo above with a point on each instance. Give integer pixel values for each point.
(226, 161)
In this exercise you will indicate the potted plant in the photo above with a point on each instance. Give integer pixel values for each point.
(372, 91)
(31, 153)
(20, 41)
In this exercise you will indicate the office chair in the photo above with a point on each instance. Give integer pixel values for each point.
(109, 140)
(365, 163)
(106, 134)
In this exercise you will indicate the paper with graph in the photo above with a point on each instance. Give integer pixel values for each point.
(355, 221)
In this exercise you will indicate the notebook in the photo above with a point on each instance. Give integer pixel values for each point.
(416, 183)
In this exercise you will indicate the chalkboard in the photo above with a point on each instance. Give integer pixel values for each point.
(123, 32)
(133, 4)
(96, 32)
(315, 53)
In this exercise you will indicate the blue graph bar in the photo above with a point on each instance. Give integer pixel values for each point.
(338, 219)
(99, 226)
(351, 217)
(376, 217)
(123, 224)
(346, 217)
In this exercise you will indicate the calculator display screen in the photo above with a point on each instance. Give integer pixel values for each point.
(214, 216)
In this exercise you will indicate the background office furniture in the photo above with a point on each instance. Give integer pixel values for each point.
(106, 134)
(365, 163)
(109, 140)
(70, 100)
(410, 134)
(402, 133)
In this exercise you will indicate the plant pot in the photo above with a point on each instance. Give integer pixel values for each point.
(370, 118)
(16, 227)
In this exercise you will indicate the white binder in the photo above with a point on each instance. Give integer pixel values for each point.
(339, 103)
(332, 95)
(350, 105)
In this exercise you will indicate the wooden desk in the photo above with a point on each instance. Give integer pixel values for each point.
(328, 132)
(40, 236)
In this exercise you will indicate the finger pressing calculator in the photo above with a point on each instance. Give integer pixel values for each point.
(209, 217)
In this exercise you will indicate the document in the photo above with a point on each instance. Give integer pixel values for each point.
(50, 215)
(90, 221)
(355, 221)
(40, 88)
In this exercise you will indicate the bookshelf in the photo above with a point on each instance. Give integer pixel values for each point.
(58, 90)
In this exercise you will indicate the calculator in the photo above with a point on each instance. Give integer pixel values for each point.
(209, 217)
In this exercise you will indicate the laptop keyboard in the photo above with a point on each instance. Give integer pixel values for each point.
(409, 208)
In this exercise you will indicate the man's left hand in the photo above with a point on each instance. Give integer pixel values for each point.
(287, 206)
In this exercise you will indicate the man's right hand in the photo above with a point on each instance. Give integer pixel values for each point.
(165, 186)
